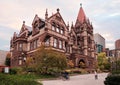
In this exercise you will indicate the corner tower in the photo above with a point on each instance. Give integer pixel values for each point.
(84, 41)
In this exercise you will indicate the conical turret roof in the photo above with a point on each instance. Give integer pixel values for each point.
(81, 15)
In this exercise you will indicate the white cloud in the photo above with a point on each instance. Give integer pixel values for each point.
(110, 45)
(4, 36)
(114, 14)
(108, 36)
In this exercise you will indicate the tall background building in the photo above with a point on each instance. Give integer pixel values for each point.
(3, 57)
(117, 44)
(100, 42)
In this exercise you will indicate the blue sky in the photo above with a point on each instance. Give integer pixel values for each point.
(104, 15)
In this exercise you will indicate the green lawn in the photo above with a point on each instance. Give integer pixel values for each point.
(6, 79)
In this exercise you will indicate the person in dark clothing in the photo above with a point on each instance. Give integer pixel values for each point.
(96, 75)
(65, 75)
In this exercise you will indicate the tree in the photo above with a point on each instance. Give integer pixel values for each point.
(103, 63)
(29, 64)
(82, 65)
(70, 64)
(8, 58)
(48, 60)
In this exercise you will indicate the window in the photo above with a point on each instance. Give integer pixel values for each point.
(31, 46)
(60, 44)
(20, 62)
(47, 42)
(20, 47)
(57, 29)
(55, 42)
(35, 44)
(53, 27)
(61, 31)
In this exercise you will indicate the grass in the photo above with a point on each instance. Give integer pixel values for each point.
(23, 79)
(6, 79)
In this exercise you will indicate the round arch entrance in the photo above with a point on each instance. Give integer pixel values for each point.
(81, 63)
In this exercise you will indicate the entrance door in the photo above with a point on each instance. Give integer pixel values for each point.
(82, 64)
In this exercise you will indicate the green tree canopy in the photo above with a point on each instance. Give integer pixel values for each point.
(47, 60)
(103, 63)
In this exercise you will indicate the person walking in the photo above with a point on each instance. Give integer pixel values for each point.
(96, 75)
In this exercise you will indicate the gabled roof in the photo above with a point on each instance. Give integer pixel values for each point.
(25, 27)
(81, 15)
(35, 18)
(58, 14)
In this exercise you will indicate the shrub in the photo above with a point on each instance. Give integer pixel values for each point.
(16, 80)
(13, 71)
(112, 80)
(17, 70)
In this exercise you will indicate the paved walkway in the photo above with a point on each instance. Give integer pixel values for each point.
(87, 79)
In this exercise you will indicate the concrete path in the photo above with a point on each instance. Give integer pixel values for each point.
(87, 79)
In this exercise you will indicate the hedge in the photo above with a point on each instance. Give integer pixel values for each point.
(112, 80)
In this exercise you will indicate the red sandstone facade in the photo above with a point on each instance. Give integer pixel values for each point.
(76, 41)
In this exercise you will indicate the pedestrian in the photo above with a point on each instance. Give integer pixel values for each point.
(96, 75)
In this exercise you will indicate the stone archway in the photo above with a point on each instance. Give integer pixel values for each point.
(81, 63)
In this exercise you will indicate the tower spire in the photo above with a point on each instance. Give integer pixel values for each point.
(46, 14)
(81, 15)
(80, 4)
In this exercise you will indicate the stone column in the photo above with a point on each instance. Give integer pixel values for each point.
(85, 46)
(76, 62)
(51, 41)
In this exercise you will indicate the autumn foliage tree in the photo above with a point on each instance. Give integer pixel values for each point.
(103, 63)
(70, 64)
(49, 61)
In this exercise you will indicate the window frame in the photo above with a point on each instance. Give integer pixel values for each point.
(55, 42)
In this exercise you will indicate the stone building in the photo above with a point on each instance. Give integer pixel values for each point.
(76, 41)
(117, 44)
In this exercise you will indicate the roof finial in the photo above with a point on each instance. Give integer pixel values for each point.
(23, 22)
(58, 9)
(72, 24)
(80, 4)
(46, 14)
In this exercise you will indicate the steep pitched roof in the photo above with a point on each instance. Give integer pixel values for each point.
(81, 15)
(58, 14)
